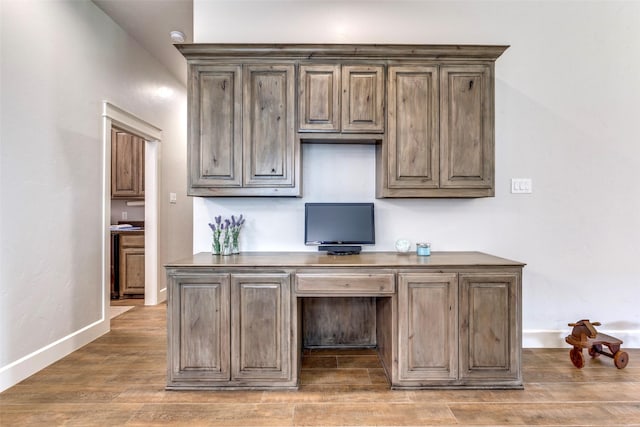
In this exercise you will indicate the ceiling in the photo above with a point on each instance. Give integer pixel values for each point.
(149, 23)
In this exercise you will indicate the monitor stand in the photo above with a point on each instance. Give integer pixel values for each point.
(340, 250)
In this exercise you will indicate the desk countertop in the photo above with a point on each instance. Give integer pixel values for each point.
(364, 259)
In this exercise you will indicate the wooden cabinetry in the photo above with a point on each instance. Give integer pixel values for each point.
(413, 151)
(215, 127)
(466, 129)
(490, 342)
(438, 103)
(229, 330)
(451, 320)
(458, 329)
(427, 328)
(260, 314)
(362, 98)
(440, 139)
(341, 98)
(127, 165)
(199, 331)
(269, 148)
(241, 130)
(319, 98)
(131, 257)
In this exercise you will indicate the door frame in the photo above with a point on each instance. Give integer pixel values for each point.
(115, 116)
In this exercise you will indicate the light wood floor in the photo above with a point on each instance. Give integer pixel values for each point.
(119, 380)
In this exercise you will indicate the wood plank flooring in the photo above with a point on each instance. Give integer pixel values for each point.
(119, 380)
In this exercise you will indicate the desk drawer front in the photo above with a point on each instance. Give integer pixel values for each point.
(320, 283)
(133, 240)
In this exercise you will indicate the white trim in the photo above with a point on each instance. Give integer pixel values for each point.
(546, 338)
(152, 207)
(26, 366)
(115, 116)
(131, 123)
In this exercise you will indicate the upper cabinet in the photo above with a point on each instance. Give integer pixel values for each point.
(341, 98)
(440, 138)
(363, 98)
(241, 130)
(268, 136)
(215, 128)
(428, 108)
(412, 147)
(127, 165)
(466, 128)
(319, 98)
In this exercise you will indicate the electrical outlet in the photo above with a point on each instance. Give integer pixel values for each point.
(124, 215)
(521, 185)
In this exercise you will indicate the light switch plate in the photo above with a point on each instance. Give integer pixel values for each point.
(521, 185)
(173, 198)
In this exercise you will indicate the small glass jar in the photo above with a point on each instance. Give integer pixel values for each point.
(423, 249)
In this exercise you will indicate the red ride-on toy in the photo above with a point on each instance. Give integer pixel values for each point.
(584, 335)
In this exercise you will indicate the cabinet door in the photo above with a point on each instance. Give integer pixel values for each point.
(269, 139)
(198, 328)
(363, 98)
(260, 335)
(127, 165)
(319, 98)
(215, 127)
(131, 264)
(427, 327)
(489, 326)
(466, 127)
(413, 127)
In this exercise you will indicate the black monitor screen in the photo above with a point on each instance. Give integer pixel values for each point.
(339, 223)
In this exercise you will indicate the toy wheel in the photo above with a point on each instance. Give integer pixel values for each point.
(594, 350)
(620, 359)
(576, 357)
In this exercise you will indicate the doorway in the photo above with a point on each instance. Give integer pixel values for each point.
(115, 117)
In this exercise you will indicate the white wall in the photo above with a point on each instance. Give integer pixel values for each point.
(567, 106)
(60, 60)
(134, 213)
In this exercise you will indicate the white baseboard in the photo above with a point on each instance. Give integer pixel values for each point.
(28, 365)
(537, 338)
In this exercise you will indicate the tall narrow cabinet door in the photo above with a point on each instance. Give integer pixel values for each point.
(269, 138)
(199, 328)
(466, 127)
(126, 150)
(363, 98)
(131, 264)
(490, 326)
(319, 98)
(413, 127)
(215, 127)
(260, 336)
(427, 327)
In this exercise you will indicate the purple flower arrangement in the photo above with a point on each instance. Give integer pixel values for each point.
(225, 234)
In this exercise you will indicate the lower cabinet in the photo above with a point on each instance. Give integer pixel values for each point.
(427, 328)
(458, 329)
(236, 325)
(490, 340)
(260, 313)
(131, 256)
(229, 330)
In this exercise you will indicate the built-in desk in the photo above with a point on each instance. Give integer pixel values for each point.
(450, 320)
